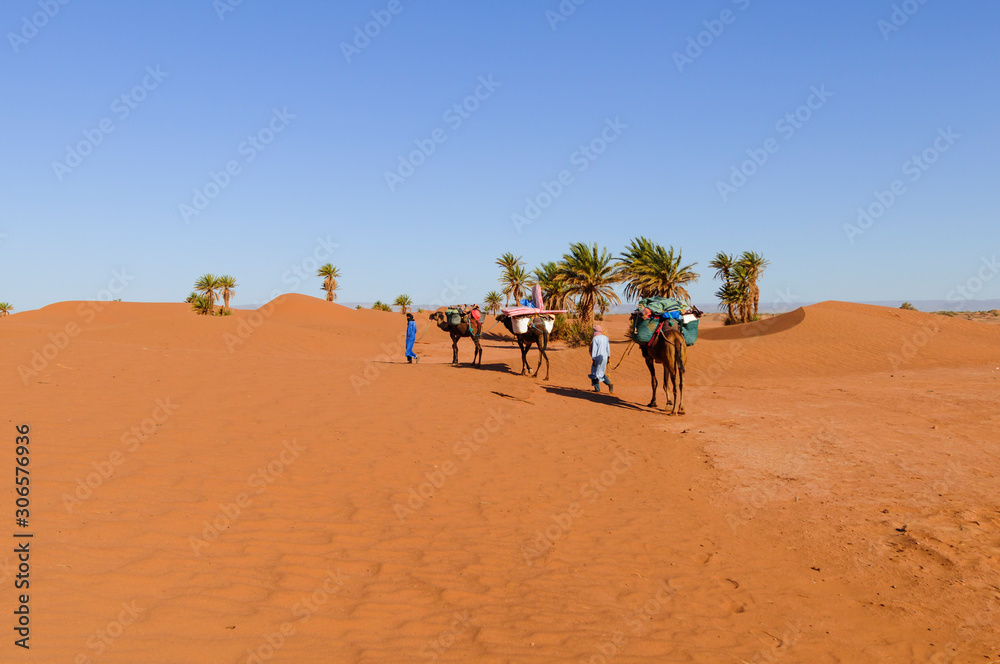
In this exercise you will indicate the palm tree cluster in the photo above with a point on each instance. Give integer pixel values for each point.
(5, 309)
(585, 278)
(740, 291)
(210, 288)
(381, 306)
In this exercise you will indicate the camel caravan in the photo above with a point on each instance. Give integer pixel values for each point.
(663, 324)
(530, 324)
(663, 328)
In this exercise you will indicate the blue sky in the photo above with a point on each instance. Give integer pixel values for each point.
(310, 128)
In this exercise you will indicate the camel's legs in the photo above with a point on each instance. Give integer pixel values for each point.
(681, 358)
(652, 378)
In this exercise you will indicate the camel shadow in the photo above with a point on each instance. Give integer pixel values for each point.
(498, 367)
(594, 397)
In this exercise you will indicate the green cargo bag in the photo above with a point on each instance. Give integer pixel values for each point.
(690, 332)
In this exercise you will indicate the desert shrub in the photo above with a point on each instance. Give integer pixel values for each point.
(571, 331)
(381, 306)
(907, 306)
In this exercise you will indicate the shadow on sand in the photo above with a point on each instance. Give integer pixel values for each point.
(496, 366)
(594, 397)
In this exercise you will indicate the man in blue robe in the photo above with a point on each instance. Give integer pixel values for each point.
(600, 353)
(411, 337)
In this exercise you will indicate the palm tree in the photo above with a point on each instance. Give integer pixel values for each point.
(379, 305)
(330, 275)
(515, 282)
(492, 302)
(202, 305)
(403, 301)
(207, 284)
(648, 269)
(723, 265)
(5, 309)
(227, 283)
(553, 290)
(738, 293)
(732, 296)
(589, 275)
(755, 265)
(508, 263)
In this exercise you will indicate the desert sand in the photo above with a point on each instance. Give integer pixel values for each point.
(280, 486)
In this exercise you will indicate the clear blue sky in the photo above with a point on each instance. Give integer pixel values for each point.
(681, 131)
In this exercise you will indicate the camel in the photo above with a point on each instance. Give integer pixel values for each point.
(669, 349)
(535, 335)
(463, 329)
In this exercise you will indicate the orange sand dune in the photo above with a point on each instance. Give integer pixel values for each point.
(280, 486)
